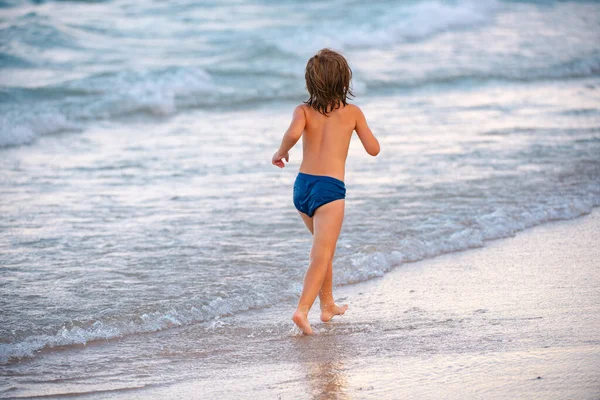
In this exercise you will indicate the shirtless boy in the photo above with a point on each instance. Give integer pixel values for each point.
(326, 122)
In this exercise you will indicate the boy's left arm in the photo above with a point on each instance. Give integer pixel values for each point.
(291, 137)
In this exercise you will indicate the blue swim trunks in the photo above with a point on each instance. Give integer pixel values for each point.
(313, 191)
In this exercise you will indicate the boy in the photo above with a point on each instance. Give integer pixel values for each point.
(327, 122)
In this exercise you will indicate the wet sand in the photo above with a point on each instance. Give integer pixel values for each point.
(519, 318)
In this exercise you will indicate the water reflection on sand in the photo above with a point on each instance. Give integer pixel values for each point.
(322, 359)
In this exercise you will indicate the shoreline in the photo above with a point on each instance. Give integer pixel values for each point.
(481, 323)
(383, 273)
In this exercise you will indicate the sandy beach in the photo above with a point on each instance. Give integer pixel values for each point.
(517, 319)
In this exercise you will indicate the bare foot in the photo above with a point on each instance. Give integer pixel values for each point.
(328, 312)
(301, 319)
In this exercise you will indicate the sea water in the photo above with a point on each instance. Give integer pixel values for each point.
(136, 190)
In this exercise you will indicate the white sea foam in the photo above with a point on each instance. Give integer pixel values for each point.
(501, 223)
(160, 93)
(25, 127)
(212, 310)
(157, 92)
(168, 92)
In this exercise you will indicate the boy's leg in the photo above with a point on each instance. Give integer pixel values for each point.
(308, 221)
(326, 292)
(328, 307)
(327, 224)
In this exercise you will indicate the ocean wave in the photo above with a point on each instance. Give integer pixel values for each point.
(407, 22)
(502, 222)
(29, 30)
(17, 3)
(79, 333)
(11, 61)
(18, 128)
(157, 92)
(68, 106)
(45, 53)
(578, 68)
(28, 113)
(105, 96)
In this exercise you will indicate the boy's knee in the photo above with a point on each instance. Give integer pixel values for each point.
(322, 257)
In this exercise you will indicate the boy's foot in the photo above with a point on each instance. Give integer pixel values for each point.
(328, 312)
(301, 320)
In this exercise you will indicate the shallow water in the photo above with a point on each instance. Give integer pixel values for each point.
(486, 323)
(137, 190)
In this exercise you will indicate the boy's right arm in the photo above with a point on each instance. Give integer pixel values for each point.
(291, 137)
(368, 140)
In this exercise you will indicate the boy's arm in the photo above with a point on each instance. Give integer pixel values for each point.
(368, 140)
(291, 137)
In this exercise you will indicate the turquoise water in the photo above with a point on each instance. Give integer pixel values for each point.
(136, 137)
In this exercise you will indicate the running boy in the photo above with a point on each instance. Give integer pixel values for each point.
(327, 122)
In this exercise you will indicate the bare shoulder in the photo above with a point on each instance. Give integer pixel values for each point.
(301, 108)
(300, 113)
(355, 113)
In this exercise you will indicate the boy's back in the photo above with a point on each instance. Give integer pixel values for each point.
(326, 138)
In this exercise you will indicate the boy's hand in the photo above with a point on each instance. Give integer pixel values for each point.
(278, 159)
